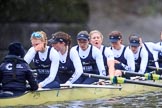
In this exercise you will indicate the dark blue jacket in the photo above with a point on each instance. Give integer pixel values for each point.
(14, 72)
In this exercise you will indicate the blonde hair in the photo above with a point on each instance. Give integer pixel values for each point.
(41, 35)
(96, 31)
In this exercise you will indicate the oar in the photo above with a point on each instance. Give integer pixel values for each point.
(159, 60)
(123, 80)
(86, 86)
(149, 76)
(90, 86)
(120, 80)
(152, 67)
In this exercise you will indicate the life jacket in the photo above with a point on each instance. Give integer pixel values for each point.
(12, 72)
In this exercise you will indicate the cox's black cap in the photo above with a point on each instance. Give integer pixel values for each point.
(16, 49)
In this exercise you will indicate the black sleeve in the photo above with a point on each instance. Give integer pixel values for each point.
(1, 77)
(0, 80)
(31, 79)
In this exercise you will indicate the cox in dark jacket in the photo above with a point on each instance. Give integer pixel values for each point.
(15, 73)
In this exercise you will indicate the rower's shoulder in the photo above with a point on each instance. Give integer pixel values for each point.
(73, 51)
(74, 47)
(127, 49)
(108, 50)
(149, 43)
(53, 50)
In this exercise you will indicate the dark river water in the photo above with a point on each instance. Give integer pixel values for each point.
(149, 100)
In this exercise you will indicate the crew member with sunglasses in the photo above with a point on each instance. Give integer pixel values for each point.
(45, 58)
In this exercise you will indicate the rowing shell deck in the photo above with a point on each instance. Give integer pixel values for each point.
(70, 94)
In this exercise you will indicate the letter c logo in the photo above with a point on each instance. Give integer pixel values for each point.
(9, 66)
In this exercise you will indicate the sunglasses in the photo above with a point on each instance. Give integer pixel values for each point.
(36, 35)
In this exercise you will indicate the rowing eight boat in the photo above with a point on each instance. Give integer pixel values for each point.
(70, 94)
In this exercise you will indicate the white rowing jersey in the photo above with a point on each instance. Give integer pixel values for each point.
(141, 58)
(159, 53)
(53, 56)
(108, 53)
(154, 49)
(159, 43)
(96, 55)
(76, 63)
(127, 57)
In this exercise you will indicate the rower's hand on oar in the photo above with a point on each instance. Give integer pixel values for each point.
(118, 73)
(117, 80)
(67, 83)
(39, 86)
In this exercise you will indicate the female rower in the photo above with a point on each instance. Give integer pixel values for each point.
(91, 58)
(160, 43)
(140, 54)
(96, 39)
(160, 52)
(152, 50)
(124, 59)
(70, 68)
(45, 58)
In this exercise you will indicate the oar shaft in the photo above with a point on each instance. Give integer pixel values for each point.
(153, 75)
(125, 80)
(152, 67)
(90, 86)
(143, 83)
